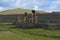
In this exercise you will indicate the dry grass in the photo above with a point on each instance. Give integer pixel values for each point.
(20, 11)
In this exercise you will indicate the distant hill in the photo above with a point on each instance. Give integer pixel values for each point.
(20, 11)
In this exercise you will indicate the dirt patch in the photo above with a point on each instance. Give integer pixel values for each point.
(7, 33)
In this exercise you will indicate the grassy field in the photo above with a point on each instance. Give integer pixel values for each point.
(8, 33)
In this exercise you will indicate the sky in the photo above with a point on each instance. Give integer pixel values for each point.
(43, 5)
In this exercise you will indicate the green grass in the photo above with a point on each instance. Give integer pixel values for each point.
(42, 31)
(22, 36)
(33, 37)
(19, 34)
(6, 27)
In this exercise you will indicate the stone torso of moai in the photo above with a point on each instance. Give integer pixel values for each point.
(25, 18)
(34, 17)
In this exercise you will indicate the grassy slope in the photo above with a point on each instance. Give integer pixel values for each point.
(18, 34)
(19, 11)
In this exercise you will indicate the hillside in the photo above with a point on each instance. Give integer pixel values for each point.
(19, 11)
(9, 15)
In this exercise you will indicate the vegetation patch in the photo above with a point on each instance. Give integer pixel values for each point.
(19, 34)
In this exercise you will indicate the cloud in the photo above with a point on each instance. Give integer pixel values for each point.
(45, 5)
(30, 4)
(2, 9)
(54, 6)
(7, 4)
(18, 2)
(35, 7)
(5, 0)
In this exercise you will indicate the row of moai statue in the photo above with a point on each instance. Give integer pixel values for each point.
(27, 20)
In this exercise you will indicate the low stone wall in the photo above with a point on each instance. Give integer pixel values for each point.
(54, 26)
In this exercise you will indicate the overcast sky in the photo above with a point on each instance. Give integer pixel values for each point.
(44, 5)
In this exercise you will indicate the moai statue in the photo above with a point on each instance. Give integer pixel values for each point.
(25, 13)
(30, 20)
(33, 11)
(33, 16)
(25, 17)
(36, 19)
(15, 21)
